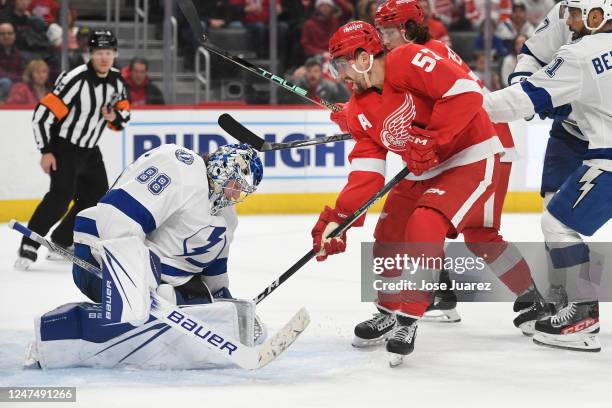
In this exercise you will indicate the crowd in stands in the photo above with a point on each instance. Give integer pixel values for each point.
(31, 37)
(30, 43)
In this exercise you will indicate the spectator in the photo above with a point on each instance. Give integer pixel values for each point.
(437, 30)
(509, 62)
(55, 32)
(319, 28)
(11, 64)
(475, 11)
(31, 36)
(256, 19)
(515, 25)
(369, 11)
(447, 11)
(310, 77)
(295, 13)
(537, 10)
(498, 47)
(34, 86)
(47, 10)
(479, 69)
(142, 92)
(81, 55)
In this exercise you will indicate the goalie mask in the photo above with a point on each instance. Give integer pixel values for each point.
(234, 172)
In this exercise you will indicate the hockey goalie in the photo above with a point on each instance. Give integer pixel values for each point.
(164, 227)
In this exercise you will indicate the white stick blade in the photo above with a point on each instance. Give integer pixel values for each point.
(283, 338)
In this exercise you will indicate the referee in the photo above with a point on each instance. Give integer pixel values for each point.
(68, 123)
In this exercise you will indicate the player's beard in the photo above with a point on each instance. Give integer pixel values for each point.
(580, 34)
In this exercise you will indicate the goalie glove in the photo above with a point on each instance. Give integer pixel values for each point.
(421, 152)
(329, 219)
(340, 117)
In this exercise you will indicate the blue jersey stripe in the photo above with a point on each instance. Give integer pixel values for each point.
(86, 226)
(525, 50)
(131, 207)
(218, 267)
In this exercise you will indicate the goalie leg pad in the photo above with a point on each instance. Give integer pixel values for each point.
(129, 271)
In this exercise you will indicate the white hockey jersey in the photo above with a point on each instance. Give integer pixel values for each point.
(163, 198)
(580, 73)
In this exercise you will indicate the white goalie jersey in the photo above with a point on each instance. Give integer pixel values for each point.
(580, 73)
(163, 199)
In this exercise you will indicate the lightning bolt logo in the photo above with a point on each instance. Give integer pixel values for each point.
(587, 178)
(213, 239)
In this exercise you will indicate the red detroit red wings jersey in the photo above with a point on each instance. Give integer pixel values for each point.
(502, 129)
(435, 102)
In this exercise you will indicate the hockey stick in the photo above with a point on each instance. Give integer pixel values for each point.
(244, 135)
(191, 14)
(220, 343)
(336, 232)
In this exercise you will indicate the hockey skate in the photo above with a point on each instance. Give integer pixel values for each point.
(442, 308)
(375, 330)
(574, 327)
(31, 360)
(401, 342)
(530, 307)
(27, 255)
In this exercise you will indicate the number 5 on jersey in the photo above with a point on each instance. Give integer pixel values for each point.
(427, 62)
(156, 183)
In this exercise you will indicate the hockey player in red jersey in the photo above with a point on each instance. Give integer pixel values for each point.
(400, 22)
(445, 137)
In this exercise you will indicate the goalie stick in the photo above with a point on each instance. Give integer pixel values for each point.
(244, 135)
(220, 343)
(191, 14)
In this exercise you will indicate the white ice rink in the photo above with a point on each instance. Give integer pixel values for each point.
(481, 362)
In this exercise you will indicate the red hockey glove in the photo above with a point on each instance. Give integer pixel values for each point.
(421, 154)
(327, 222)
(340, 117)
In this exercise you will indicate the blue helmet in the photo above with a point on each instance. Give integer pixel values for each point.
(235, 171)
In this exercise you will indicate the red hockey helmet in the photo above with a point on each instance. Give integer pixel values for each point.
(353, 36)
(399, 12)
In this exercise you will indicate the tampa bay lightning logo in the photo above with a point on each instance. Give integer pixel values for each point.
(184, 156)
(202, 255)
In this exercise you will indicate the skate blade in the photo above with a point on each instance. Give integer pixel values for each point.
(587, 344)
(528, 328)
(56, 258)
(395, 359)
(22, 264)
(441, 316)
(358, 342)
(31, 358)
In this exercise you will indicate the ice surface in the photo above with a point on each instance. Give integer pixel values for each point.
(481, 362)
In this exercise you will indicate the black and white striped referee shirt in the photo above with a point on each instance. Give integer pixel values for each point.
(73, 109)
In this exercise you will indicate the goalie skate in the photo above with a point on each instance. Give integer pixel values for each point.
(574, 327)
(375, 330)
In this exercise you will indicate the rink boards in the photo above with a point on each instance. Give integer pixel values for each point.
(295, 181)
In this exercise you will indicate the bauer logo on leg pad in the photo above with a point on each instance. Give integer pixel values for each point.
(201, 332)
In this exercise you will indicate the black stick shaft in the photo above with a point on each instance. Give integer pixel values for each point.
(193, 19)
(339, 230)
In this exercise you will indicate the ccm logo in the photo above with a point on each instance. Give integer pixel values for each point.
(435, 191)
(579, 326)
(192, 327)
(417, 140)
(353, 27)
